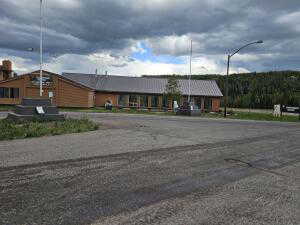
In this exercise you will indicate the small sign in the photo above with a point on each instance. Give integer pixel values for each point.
(40, 110)
(277, 111)
(50, 94)
(46, 80)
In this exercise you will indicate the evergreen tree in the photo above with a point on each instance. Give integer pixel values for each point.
(172, 90)
(257, 90)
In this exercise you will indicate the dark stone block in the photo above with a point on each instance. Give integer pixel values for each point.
(31, 110)
(35, 102)
(27, 111)
(46, 117)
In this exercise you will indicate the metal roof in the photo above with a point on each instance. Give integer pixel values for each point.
(146, 85)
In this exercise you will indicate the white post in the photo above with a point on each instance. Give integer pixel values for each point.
(41, 49)
(189, 96)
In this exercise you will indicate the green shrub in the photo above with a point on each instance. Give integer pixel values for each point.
(14, 130)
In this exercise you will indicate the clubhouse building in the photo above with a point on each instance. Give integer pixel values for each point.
(92, 90)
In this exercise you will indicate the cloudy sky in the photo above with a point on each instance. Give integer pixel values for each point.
(135, 37)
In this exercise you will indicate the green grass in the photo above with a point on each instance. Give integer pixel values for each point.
(264, 116)
(115, 110)
(6, 108)
(254, 116)
(13, 130)
(234, 115)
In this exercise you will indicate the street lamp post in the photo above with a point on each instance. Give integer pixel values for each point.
(227, 74)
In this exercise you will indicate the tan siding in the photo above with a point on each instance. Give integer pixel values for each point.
(18, 83)
(215, 104)
(65, 93)
(34, 92)
(74, 96)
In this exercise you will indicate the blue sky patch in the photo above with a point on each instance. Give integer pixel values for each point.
(147, 55)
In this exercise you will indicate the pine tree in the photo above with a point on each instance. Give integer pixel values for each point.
(172, 90)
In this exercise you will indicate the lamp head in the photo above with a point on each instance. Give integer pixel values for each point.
(260, 42)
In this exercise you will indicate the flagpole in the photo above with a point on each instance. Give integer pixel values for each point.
(41, 48)
(189, 97)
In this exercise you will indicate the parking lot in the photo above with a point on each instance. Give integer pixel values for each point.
(143, 169)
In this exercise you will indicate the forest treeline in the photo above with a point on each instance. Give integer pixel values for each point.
(257, 90)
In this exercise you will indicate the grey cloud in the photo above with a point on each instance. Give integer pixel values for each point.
(119, 65)
(216, 26)
(108, 24)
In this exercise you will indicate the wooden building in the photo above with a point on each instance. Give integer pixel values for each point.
(90, 90)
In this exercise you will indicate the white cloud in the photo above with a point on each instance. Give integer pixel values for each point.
(291, 19)
(19, 64)
(246, 57)
(64, 3)
(138, 48)
(172, 45)
(126, 67)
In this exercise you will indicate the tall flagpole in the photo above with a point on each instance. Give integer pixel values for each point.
(41, 48)
(189, 97)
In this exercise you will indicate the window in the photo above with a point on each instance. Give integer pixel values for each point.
(198, 102)
(122, 100)
(144, 101)
(165, 102)
(9, 92)
(154, 101)
(133, 100)
(14, 92)
(4, 92)
(207, 103)
(1, 92)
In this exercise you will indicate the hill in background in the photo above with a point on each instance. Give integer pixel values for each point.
(256, 90)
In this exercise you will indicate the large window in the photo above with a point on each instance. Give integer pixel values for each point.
(198, 102)
(122, 100)
(9, 92)
(6, 93)
(144, 101)
(165, 102)
(14, 92)
(133, 102)
(154, 101)
(1, 92)
(208, 103)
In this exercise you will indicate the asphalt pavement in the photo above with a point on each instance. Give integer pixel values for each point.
(140, 169)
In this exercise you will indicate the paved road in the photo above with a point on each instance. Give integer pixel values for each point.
(155, 170)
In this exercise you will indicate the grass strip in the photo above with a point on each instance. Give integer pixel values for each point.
(233, 114)
(12, 130)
